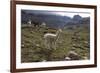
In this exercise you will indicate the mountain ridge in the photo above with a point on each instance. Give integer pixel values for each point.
(52, 20)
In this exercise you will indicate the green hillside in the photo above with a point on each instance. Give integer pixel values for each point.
(70, 39)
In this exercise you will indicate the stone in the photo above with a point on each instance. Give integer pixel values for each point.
(73, 55)
(67, 58)
(85, 58)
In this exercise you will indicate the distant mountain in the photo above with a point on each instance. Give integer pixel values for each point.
(54, 21)
(77, 18)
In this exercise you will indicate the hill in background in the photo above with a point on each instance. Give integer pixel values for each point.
(52, 20)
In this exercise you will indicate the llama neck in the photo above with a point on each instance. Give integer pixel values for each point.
(57, 35)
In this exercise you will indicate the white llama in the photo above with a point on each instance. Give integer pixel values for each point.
(30, 22)
(50, 39)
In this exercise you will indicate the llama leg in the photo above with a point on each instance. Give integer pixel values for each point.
(45, 43)
(50, 44)
(55, 45)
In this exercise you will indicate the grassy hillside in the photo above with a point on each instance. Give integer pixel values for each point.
(71, 39)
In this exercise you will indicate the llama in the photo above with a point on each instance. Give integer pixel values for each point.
(50, 39)
(43, 24)
(30, 22)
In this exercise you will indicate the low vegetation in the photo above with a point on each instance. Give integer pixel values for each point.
(71, 39)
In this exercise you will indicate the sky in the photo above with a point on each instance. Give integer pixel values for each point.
(62, 13)
(71, 14)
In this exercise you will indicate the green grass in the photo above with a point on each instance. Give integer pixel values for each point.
(33, 48)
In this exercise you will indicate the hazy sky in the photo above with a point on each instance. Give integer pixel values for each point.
(62, 13)
(71, 14)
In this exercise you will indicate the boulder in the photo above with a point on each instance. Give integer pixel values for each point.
(67, 58)
(73, 55)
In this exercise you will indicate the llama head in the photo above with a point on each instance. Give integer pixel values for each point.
(60, 30)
